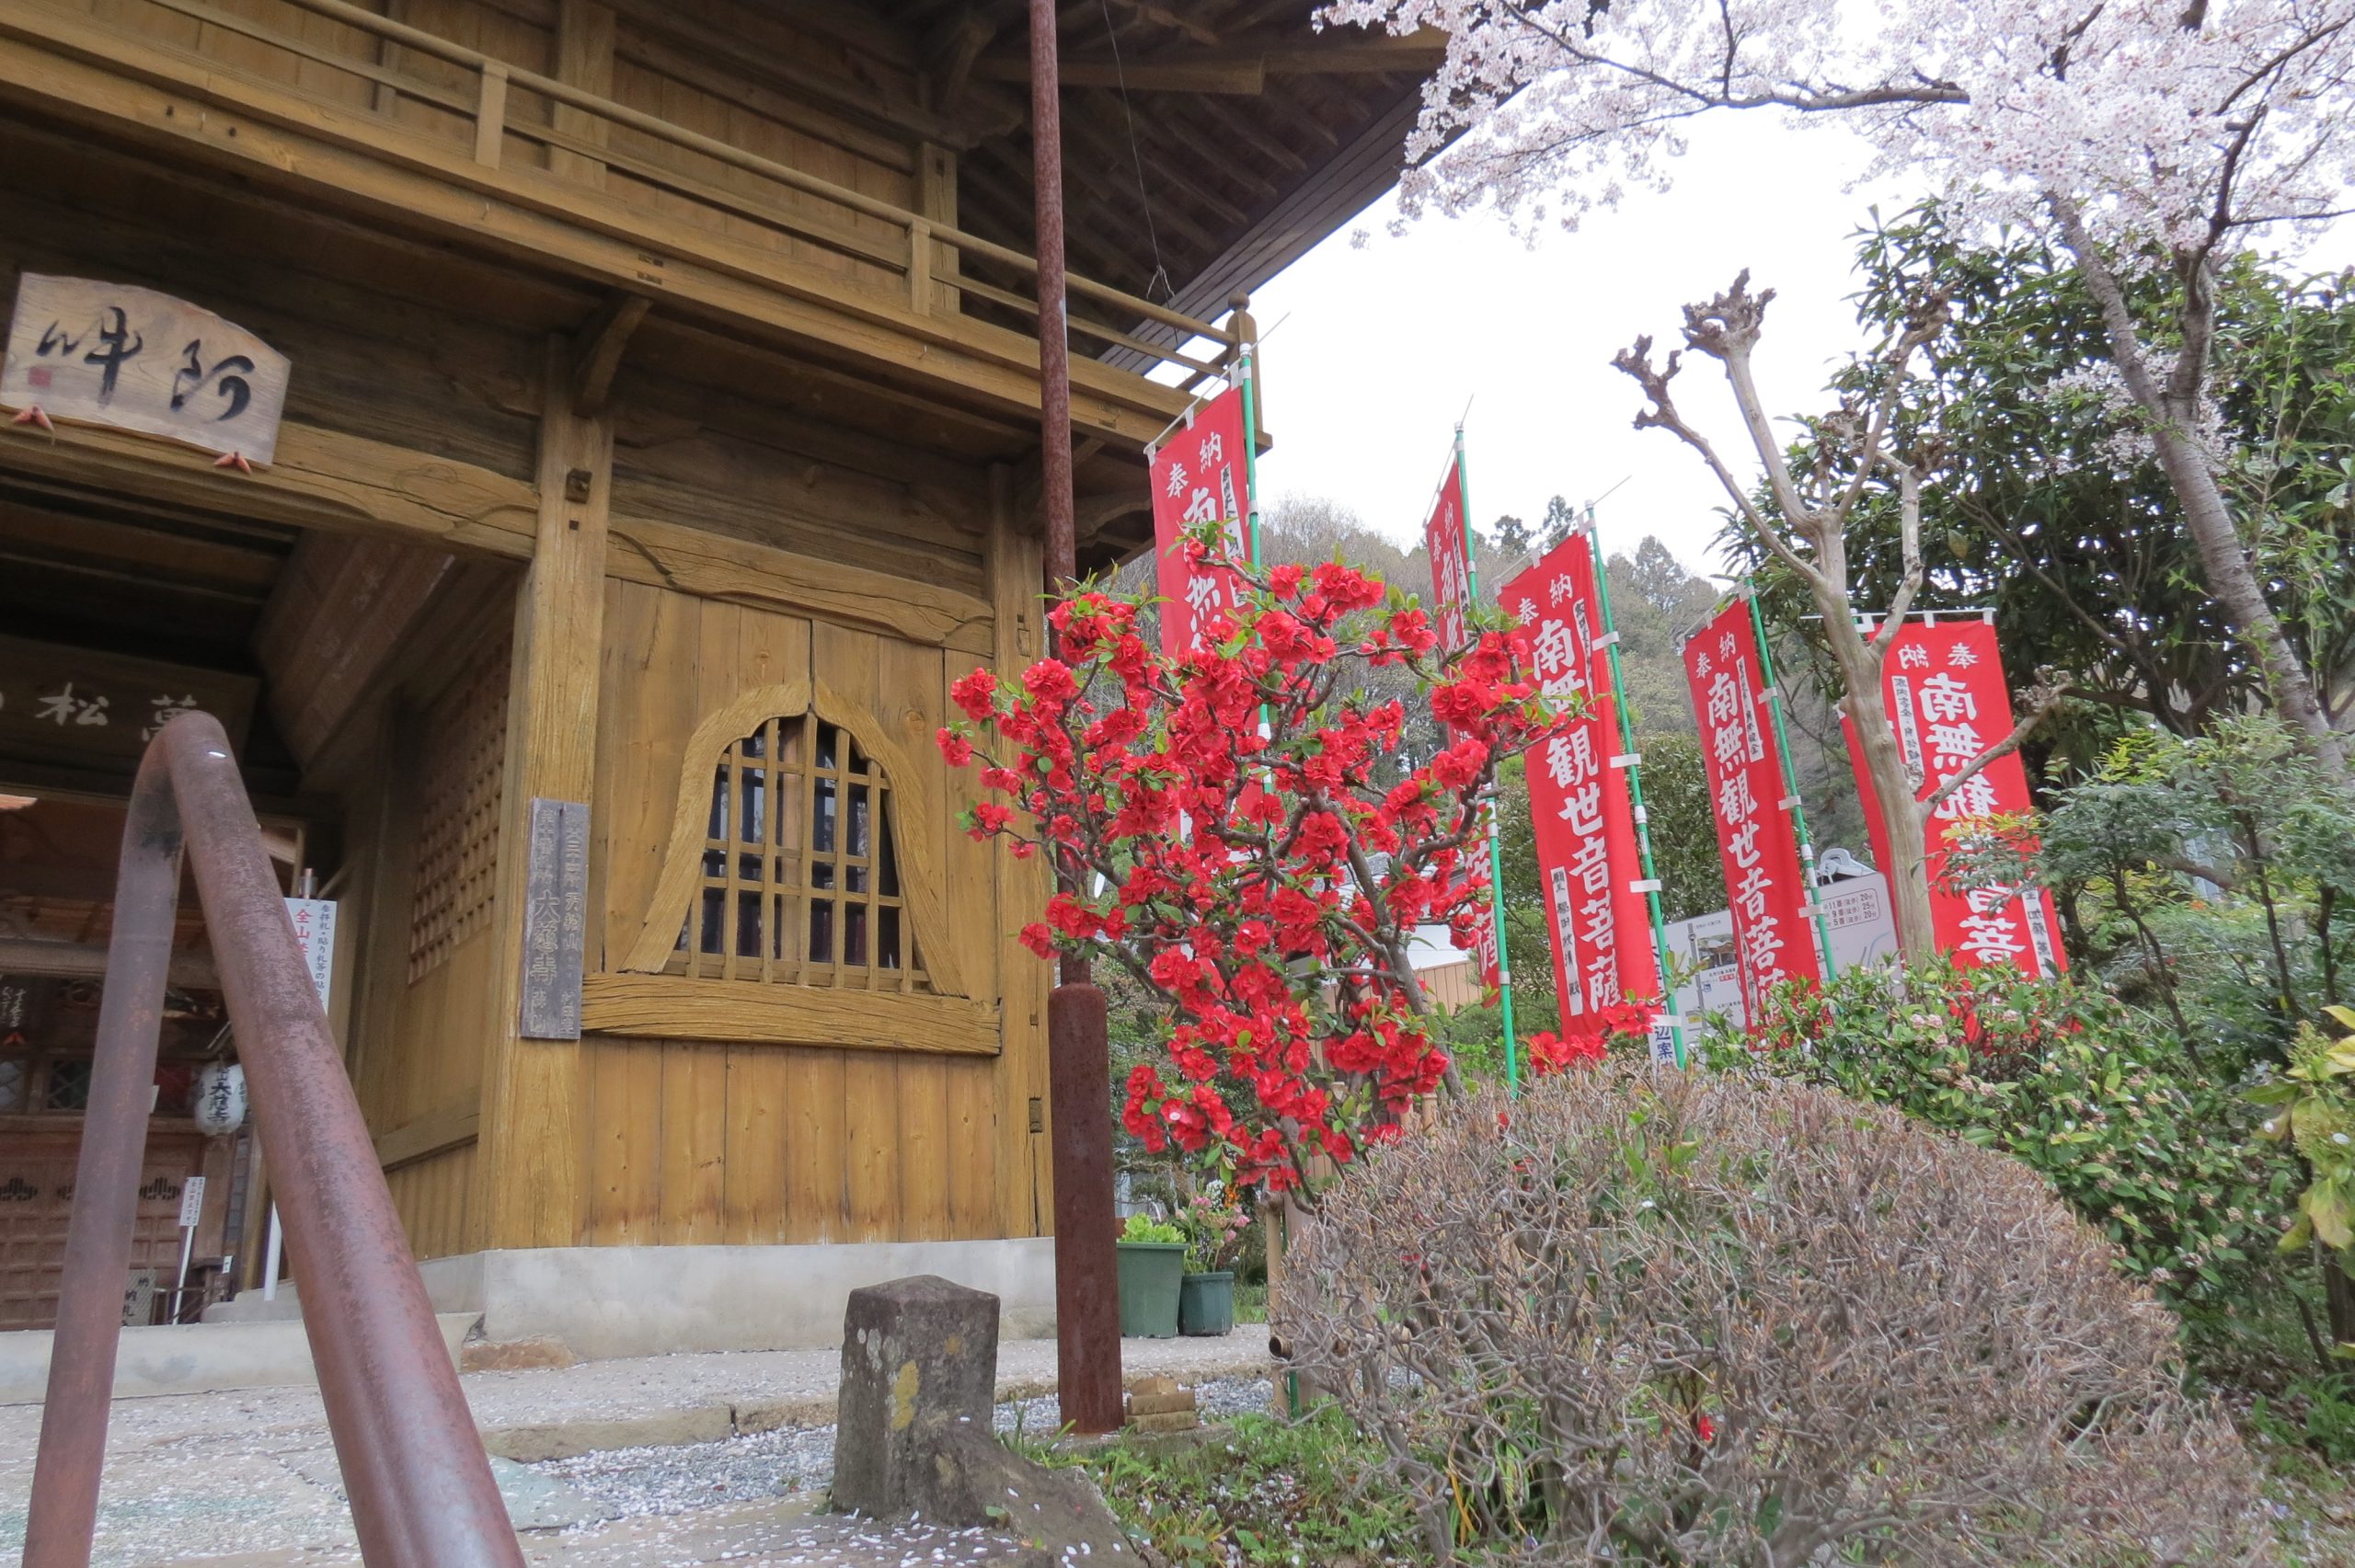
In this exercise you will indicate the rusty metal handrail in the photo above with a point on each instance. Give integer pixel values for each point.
(421, 1486)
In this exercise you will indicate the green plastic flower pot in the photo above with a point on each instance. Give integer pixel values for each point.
(1206, 1304)
(1150, 1275)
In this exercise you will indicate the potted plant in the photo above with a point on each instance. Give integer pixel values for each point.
(1214, 1223)
(1153, 1266)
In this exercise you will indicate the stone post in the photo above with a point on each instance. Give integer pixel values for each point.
(919, 1356)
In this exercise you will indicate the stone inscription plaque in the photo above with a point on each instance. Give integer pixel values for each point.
(555, 919)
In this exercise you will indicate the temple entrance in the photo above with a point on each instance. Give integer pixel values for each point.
(121, 613)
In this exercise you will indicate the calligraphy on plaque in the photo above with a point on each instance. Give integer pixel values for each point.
(116, 354)
(555, 919)
(76, 707)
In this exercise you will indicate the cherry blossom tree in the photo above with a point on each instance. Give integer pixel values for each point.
(1235, 850)
(2132, 133)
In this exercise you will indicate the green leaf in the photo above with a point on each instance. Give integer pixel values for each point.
(2325, 1205)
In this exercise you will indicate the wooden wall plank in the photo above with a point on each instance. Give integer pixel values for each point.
(695, 1142)
(625, 1100)
(910, 695)
(871, 1107)
(756, 1183)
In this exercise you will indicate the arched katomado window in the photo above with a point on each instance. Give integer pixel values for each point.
(806, 850)
(799, 877)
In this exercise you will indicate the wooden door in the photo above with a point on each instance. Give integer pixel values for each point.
(37, 1196)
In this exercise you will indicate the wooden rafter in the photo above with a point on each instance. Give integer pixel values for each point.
(1240, 65)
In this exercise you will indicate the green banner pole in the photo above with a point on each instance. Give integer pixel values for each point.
(1749, 591)
(1635, 792)
(1496, 841)
(1248, 375)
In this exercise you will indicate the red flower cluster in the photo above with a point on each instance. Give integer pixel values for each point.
(1587, 1039)
(1236, 827)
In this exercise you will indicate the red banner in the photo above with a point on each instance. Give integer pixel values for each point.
(1200, 472)
(1588, 866)
(1449, 548)
(1766, 889)
(1944, 685)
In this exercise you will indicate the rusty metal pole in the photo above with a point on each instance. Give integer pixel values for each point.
(65, 1508)
(421, 1486)
(1079, 1072)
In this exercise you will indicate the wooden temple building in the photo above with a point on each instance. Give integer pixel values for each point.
(639, 433)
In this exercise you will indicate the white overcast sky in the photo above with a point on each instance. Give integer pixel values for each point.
(1373, 350)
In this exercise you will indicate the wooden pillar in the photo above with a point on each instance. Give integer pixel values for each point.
(1014, 561)
(584, 58)
(1246, 337)
(936, 203)
(527, 1169)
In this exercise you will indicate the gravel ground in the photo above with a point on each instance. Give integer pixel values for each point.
(249, 1476)
(636, 1483)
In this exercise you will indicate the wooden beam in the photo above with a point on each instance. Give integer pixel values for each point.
(951, 55)
(716, 565)
(597, 351)
(457, 1122)
(528, 1174)
(753, 1013)
(328, 480)
(1239, 65)
(320, 479)
(87, 960)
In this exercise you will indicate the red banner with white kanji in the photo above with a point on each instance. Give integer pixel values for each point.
(1943, 686)
(1766, 889)
(1200, 472)
(1449, 545)
(1589, 869)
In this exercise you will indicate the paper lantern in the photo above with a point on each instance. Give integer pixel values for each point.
(220, 1101)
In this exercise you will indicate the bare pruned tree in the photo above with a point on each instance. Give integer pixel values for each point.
(1803, 522)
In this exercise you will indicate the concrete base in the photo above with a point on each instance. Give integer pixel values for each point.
(613, 1301)
(603, 1303)
(189, 1358)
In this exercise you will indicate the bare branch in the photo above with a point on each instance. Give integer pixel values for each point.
(1636, 363)
(2044, 701)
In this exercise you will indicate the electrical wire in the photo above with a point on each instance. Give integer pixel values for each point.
(1136, 157)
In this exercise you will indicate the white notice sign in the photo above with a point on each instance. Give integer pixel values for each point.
(116, 354)
(191, 1202)
(314, 934)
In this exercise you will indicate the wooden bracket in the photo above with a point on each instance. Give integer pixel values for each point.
(597, 351)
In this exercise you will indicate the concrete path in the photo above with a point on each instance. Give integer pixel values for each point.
(606, 1462)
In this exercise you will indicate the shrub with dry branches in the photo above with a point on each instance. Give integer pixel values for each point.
(1706, 1322)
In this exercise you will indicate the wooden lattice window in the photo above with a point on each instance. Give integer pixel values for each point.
(800, 881)
(463, 748)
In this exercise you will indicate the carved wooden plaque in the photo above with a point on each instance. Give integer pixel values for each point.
(556, 918)
(75, 707)
(116, 354)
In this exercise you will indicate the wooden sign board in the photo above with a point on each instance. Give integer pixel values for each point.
(116, 354)
(555, 919)
(74, 706)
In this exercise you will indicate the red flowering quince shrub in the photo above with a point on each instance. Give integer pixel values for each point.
(1238, 828)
